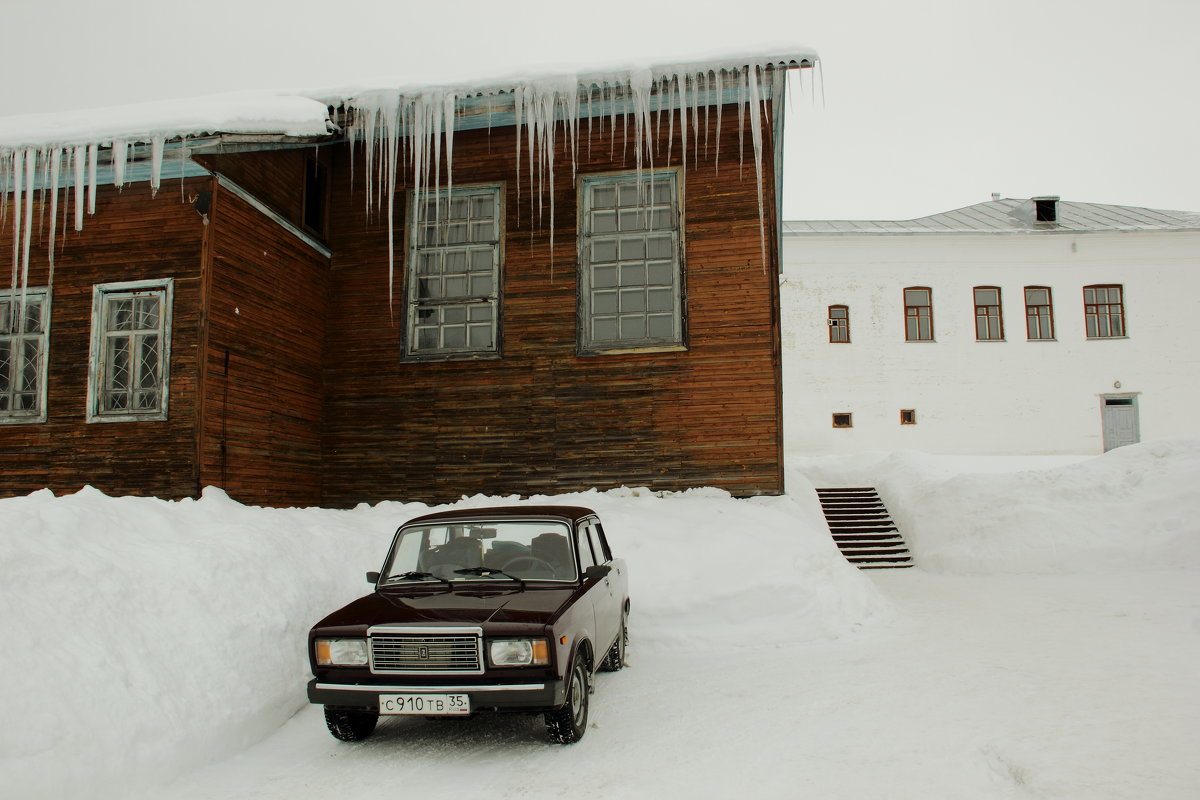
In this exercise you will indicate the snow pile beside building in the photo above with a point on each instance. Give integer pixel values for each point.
(148, 637)
(1133, 508)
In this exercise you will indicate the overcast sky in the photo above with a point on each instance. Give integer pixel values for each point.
(927, 105)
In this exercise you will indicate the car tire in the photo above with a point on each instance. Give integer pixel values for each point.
(568, 724)
(350, 726)
(615, 658)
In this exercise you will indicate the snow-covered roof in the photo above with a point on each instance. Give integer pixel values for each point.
(304, 113)
(1010, 215)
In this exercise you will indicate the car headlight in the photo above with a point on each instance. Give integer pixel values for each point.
(519, 653)
(341, 652)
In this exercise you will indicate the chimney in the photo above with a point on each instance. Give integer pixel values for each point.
(995, 196)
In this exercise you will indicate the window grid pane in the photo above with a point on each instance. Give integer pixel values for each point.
(1039, 315)
(454, 273)
(133, 376)
(1104, 312)
(839, 324)
(22, 354)
(989, 325)
(918, 314)
(630, 262)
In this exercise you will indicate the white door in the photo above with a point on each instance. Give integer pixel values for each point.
(1119, 414)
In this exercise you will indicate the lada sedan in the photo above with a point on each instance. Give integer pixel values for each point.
(477, 610)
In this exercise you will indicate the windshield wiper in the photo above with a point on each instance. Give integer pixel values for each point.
(416, 576)
(487, 572)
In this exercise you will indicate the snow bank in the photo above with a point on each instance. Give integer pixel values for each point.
(146, 638)
(1135, 507)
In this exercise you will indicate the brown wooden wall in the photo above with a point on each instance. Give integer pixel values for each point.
(132, 236)
(542, 418)
(261, 415)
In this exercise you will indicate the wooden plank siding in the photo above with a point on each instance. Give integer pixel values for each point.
(260, 436)
(542, 418)
(133, 236)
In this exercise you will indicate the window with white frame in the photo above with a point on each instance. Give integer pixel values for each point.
(1104, 311)
(454, 272)
(24, 331)
(631, 292)
(131, 351)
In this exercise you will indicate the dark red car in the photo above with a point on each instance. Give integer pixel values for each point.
(489, 609)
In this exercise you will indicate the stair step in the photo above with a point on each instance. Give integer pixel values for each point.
(862, 528)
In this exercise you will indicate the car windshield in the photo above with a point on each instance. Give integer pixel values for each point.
(524, 550)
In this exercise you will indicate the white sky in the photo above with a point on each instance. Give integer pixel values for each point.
(928, 105)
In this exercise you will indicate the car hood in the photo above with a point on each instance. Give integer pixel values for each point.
(462, 606)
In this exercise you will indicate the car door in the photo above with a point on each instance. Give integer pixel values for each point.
(606, 594)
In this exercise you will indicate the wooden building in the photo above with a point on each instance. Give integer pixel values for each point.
(525, 291)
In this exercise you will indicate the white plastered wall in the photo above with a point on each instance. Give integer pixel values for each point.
(1009, 397)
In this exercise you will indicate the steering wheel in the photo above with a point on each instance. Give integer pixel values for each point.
(529, 564)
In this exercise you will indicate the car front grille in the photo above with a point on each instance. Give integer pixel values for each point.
(426, 654)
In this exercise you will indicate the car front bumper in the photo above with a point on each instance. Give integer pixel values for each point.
(484, 697)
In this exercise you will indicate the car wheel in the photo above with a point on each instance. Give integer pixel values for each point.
(615, 658)
(568, 724)
(350, 726)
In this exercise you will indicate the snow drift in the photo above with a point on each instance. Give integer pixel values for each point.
(159, 636)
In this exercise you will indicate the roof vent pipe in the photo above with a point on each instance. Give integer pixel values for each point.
(1045, 208)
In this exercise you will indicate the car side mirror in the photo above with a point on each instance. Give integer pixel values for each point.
(372, 577)
(595, 573)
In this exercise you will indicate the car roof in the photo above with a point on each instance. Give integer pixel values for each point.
(569, 513)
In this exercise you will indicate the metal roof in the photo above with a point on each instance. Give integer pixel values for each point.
(1011, 215)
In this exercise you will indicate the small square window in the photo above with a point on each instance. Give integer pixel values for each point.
(908, 416)
(843, 420)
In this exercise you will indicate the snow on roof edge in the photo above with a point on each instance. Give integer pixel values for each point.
(304, 112)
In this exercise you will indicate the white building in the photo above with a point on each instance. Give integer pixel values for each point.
(1008, 327)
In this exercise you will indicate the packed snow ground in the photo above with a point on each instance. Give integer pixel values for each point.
(1046, 646)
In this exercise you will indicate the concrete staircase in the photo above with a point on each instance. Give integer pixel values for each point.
(863, 529)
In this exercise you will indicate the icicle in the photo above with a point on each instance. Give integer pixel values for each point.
(79, 153)
(55, 165)
(18, 159)
(156, 158)
(756, 137)
(719, 76)
(448, 125)
(120, 156)
(742, 100)
(93, 157)
(30, 174)
(518, 109)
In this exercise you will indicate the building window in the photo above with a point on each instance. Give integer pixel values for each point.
(908, 416)
(918, 314)
(454, 272)
(843, 419)
(1104, 311)
(24, 328)
(631, 293)
(989, 324)
(131, 351)
(839, 324)
(1039, 313)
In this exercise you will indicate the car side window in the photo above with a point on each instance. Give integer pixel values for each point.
(600, 542)
(586, 559)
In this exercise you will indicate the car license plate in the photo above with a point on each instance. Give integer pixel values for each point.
(425, 705)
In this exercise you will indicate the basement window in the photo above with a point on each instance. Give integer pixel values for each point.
(843, 419)
(908, 416)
